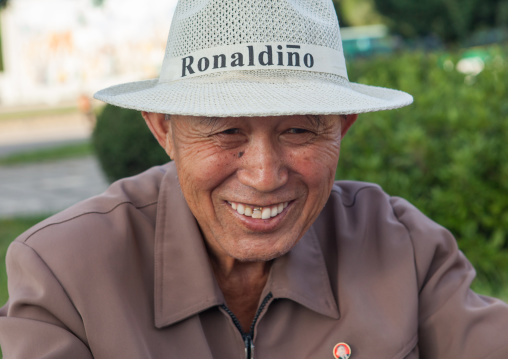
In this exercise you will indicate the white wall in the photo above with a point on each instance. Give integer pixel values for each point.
(56, 50)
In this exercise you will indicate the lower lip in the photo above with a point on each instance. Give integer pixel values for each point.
(262, 225)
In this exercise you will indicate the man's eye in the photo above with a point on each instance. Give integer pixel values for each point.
(297, 131)
(231, 131)
(299, 136)
(229, 138)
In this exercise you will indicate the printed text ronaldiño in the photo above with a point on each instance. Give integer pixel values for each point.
(239, 59)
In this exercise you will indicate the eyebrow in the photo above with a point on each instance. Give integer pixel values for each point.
(210, 122)
(316, 120)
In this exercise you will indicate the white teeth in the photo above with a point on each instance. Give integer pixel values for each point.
(248, 211)
(259, 212)
(266, 213)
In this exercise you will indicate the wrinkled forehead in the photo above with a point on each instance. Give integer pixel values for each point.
(213, 121)
(315, 120)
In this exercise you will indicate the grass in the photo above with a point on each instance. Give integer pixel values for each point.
(49, 154)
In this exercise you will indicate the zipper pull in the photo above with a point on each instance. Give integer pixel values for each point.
(249, 347)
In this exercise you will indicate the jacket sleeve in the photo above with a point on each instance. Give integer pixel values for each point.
(39, 320)
(454, 322)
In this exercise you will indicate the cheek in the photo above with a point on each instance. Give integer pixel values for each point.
(317, 165)
(203, 169)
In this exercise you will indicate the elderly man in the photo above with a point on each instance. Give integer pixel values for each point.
(244, 246)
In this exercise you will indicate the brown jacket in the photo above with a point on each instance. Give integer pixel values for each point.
(126, 275)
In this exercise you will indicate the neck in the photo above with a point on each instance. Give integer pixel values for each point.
(242, 284)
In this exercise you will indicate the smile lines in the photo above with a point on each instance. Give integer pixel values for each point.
(259, 212)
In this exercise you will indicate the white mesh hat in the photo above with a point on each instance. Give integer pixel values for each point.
(253, 58)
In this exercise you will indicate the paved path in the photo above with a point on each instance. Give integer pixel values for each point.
(45, 188)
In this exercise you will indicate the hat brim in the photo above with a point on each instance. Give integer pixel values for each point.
(253, 98)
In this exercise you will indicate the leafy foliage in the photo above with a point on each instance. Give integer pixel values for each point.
(124, 144)
(451, 20)
(446, 153)
(357, 13)
(340, 17)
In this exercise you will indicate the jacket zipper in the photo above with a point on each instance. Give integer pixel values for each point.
(248, 338)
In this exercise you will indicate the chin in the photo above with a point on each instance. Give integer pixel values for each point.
(262, 254)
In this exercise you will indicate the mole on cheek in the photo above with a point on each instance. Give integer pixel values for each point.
(240, 154)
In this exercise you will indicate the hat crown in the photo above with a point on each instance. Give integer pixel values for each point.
(202, 24)
(253, 58)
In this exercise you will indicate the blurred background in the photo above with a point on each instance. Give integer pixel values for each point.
(446, 153)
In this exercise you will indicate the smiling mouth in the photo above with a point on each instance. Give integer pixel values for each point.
(259, 212)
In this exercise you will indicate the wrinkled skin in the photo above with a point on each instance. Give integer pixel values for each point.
(259, 161)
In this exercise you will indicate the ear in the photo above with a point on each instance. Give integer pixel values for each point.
(347, 122)
(161, 129)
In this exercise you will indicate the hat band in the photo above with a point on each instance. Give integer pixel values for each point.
(258, 56)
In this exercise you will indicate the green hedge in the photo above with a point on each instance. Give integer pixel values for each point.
(447, 153)
(123, 143)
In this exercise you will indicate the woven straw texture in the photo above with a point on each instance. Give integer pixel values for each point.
(205, 24)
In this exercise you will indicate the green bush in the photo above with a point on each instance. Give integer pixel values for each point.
(123, 143)
(446, 153)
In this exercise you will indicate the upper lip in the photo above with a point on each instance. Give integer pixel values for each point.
(251, 204)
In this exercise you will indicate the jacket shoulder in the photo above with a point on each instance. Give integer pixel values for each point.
(136, 193)
(348, 191)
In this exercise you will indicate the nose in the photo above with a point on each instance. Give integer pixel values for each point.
(262, 166)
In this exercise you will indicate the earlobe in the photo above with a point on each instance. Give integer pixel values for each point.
(160, 128)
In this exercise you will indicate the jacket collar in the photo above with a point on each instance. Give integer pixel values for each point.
(185, 284)
(301, 275)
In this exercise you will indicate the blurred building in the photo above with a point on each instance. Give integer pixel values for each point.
(57, 50)
(362, 41)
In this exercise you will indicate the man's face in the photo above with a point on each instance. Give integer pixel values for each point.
(232, 170)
